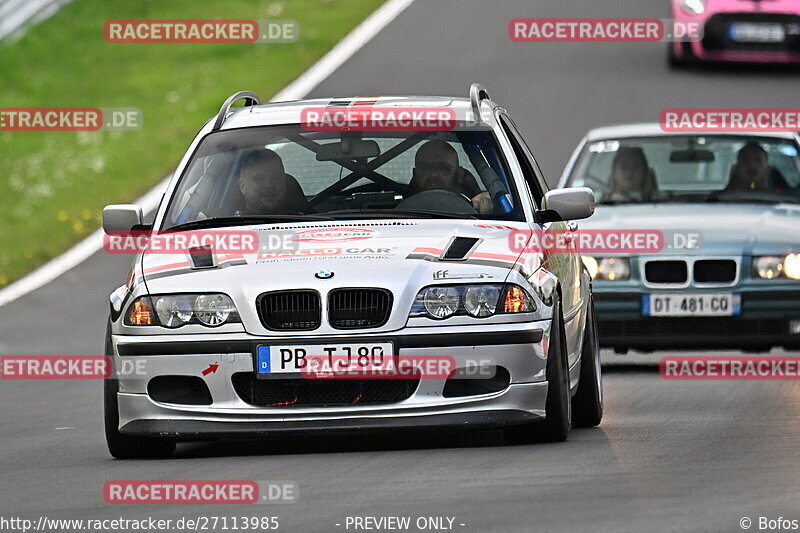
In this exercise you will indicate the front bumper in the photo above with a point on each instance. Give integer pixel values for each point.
(764, 322)
(520, 349)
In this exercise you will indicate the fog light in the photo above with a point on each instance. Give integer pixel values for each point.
(794, 327)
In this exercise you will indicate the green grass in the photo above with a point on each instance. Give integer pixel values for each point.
(53, 185)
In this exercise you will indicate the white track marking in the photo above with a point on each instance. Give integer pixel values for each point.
(299, 88)
(75, 255)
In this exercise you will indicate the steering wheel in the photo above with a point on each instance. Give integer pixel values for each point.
(439, 200)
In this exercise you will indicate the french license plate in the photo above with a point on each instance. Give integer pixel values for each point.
(748, 32)
(280, 360)
(683, 304)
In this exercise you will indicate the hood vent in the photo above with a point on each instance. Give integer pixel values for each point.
(202, 257)
(460, 248)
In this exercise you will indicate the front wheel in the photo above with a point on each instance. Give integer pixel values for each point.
(127, 446)
(587, 404)
(558, 407)
(686, 59)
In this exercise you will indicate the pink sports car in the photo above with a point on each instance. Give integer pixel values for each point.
(762, 31)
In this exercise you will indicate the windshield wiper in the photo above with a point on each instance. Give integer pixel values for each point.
(244, 221)
(396, 213)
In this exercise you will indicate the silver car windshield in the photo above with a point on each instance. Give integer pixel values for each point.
(288, 173)
(690, 169)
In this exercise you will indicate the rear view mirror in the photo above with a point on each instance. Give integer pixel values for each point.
(568, 204)
(122, 217)
(691, 156)
(348, 149)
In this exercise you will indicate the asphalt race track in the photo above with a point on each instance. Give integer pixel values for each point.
(669, 455)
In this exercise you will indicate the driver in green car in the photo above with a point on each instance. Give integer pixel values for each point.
(752, 172)
(436, 167)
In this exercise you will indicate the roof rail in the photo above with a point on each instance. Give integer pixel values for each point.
(249, 97)
(477, 94)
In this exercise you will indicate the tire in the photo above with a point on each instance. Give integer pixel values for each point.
(126, 446)
(686, 60)
(558, 407)
(587, 404)
(675, 61)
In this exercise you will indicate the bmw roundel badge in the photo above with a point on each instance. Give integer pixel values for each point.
(324, 274)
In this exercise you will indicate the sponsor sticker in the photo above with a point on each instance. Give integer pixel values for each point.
(333, 235)
(447, 274)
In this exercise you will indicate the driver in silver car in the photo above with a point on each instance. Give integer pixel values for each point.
(436, 167)
(266, 187)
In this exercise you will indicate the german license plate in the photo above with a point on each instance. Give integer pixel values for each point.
(281, 360)
(683, 304)
(748, 32)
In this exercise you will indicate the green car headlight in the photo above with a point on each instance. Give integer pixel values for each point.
(591, 265)
(768, 266)
(608, 268)
(791, 266)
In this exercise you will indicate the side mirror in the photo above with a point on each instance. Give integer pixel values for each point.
(567, 204)
(122, 217)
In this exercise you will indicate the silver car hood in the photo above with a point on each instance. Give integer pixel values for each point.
(402, 256)
(727, 229)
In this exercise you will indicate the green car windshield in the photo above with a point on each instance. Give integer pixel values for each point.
(691, 168)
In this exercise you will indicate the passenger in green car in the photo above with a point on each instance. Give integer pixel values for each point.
(632, 180)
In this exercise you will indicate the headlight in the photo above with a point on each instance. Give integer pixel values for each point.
(776, 266)
(213, 309)
(481, 300)
(173, 311)
(477, 300)
(694, 7)
(613, 268)
(176, 310)
(591, 265)
(768, 267)
(791, 266)
(441, 302)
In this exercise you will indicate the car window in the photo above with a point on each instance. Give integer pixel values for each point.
(690, 168)
(288, 171)
(530, 167)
